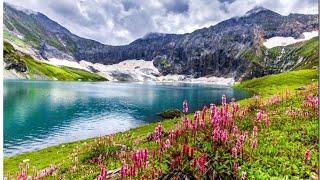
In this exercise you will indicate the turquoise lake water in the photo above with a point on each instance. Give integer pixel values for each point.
(38, 114)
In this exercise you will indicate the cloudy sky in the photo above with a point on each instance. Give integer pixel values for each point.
(118, 22)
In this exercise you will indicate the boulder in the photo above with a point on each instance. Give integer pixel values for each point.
(170, 113)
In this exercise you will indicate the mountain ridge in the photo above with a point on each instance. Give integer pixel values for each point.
(217, 50)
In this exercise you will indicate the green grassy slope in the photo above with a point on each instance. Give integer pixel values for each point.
(271, 84)
(36, 69)
(279, 153)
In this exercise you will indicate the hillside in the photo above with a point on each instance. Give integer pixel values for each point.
(227, 49)
(24, 66)
(301, 55)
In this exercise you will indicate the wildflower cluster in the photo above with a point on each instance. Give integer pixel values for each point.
(24, 167)
(194, 146)
(139, 162)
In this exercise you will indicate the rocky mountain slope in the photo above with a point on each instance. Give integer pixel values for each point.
(232, 48)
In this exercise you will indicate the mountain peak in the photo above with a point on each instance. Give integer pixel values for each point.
(256, 10)
(19, 8)
(152, 35)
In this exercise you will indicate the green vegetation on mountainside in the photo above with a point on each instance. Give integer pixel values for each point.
(37, 69)
(304, 54)
(34, 34)
(310, 51)
(301, 55)
(272, 84)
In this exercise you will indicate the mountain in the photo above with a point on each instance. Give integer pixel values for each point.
(232, 48)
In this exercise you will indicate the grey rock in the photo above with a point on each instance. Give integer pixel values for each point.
(301, 88)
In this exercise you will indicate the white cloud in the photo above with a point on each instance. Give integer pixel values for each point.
(118, 22)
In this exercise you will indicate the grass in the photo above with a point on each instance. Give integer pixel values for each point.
(274, 52)
(279, 153)
(37, 69)
(11, 38)
(61, 154)
(271, 84)
(282, 146)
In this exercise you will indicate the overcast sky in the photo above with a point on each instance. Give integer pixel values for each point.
(118, 22)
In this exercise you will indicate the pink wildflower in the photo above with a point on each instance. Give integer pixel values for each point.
(186, 123)
(196, 116)
(22, 175)
(103, 172)
(215, 121)
(259, 116)
(242, 115)
(234, 131)
(194, 163)
(158, 132)
(153, 174)
(204, 112)
(194, 128)
(185, 106)
(223, 100)
(224, 136)
(235, 167)
(234, 152)
(255, 131)
(201, 123)
(254, 143)
(123, 171)
(167, 143)
(291, 112)
(145, 155)
(216, 134)
(212, 108)
(235, 106)
(185, 149)
(240, 141)
(267, 121)
(202, 162)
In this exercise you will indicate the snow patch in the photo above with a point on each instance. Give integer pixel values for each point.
(201, 80)
(129, 70)
(142, 71)
(137, 71)
(284, 41)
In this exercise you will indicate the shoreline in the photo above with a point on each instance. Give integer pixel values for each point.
(61, 151)
(147, 124)
(230, 83)
(88, 139)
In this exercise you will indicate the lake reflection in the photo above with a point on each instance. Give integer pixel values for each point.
(38, 114)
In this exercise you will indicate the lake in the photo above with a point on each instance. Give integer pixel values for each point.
(38, 114)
